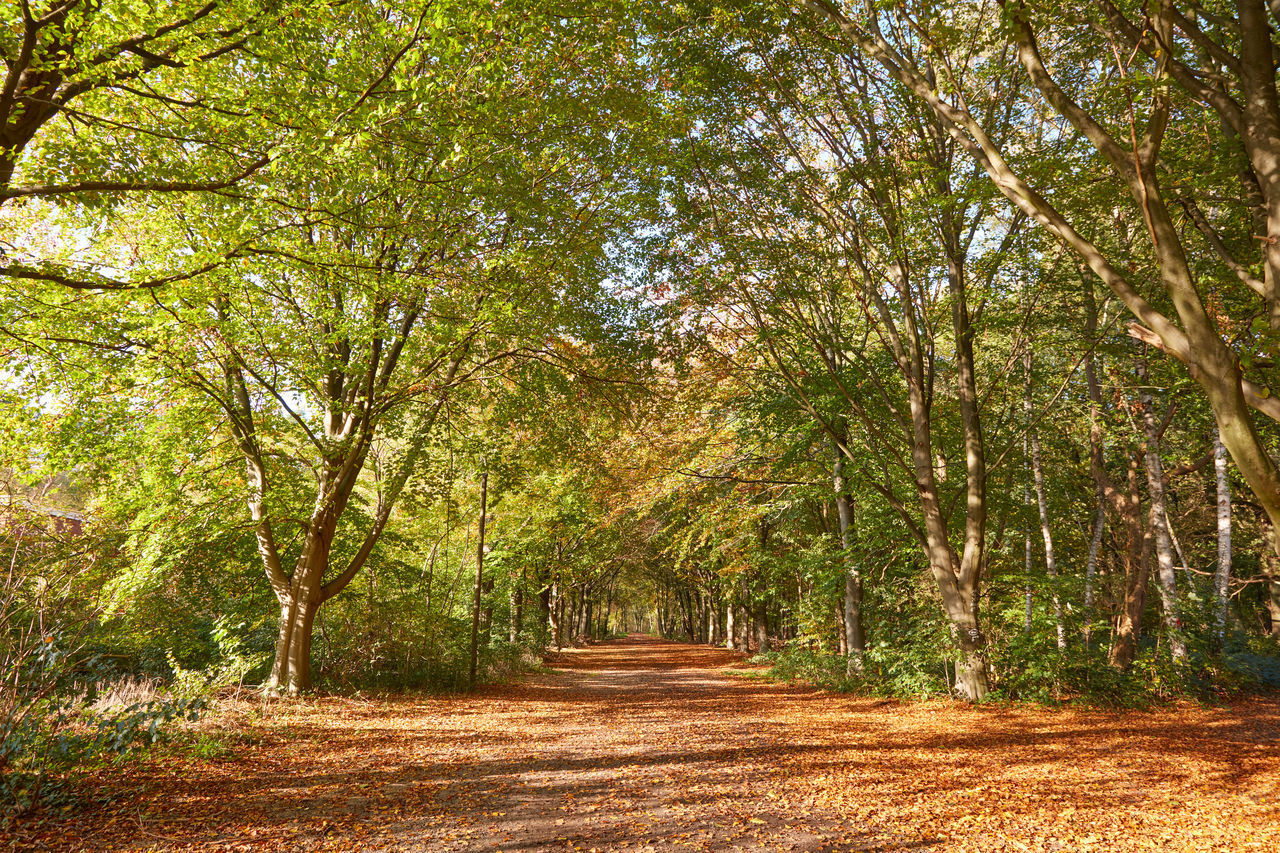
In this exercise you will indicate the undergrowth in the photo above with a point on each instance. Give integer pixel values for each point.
(1027, 671)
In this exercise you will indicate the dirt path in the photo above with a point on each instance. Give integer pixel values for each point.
(644, 745)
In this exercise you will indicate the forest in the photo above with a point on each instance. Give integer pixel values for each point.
(918, 353)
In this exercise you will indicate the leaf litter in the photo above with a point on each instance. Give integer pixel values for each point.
(645, 745)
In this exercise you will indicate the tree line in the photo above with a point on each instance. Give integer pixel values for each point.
(934, 346)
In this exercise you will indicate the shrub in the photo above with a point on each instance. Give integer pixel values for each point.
(60, 705)
(229, 668)
(66, 722)
(910, 671)
(1031, 668)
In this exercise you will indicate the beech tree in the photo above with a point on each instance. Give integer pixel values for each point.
(102, 101)
(370, 274)
(847, 229)
(1136, 110)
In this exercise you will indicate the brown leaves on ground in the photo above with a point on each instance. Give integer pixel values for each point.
(644, 745)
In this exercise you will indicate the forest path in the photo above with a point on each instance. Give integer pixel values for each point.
(641, 744)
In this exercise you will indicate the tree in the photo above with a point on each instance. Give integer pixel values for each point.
(382, 266)
(846, 230)
(103, 101)
(1178, 60)
(59, 53)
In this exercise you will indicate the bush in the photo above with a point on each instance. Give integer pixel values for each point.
(60, 705)
(1030, 667)
(228, 669)
(912, 671)
(1254, 669)
(432, 656)
(800, 663)
(66, 722)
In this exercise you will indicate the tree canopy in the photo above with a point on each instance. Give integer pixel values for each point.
(928, 349)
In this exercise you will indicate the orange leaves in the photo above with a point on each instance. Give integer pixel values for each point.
(650, 746)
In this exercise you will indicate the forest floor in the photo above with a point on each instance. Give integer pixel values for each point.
(639, 744)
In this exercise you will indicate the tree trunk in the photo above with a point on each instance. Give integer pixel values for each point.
(1222, 575)
(430, 573)
(543, 576)
(761, 621)
(1037, 474)
(1168, 584)
(291, 669)
(731, 629)
(1124, 647)
(1127, 505)
(959, 577)
(299, 603)
(555, 609)
(608, 609)
(1269, 566)
(1028, 610)
(486, 614)
(1095, 545)
(475, 604)
(1050, 559)
(853, 641)
(760, 612)
(1097, 461)
(957, 574)
(517, 608)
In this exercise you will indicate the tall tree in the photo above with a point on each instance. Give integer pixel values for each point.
(105, 101)
(383, 264)
(1173, 60)
(848, 234)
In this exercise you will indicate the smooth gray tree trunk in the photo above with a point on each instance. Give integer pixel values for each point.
(1222, 575)
(1042, 504)
(1095, 545)
(1028, 606)
(475, 603)
(855, 643)
(1167, 582)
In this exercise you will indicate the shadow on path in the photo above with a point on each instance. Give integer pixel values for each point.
(643, 744)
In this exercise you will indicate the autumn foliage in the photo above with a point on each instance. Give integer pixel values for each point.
(641, 744)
